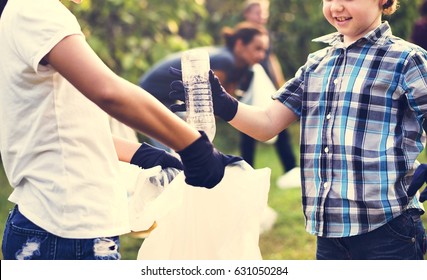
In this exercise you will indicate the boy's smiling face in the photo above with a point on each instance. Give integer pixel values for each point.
(353, 18)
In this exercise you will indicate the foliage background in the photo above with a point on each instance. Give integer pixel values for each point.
(131, 35)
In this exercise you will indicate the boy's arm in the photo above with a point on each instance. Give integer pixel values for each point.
(259, 123)
(263, 123)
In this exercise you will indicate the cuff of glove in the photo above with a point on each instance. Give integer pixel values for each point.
(196, 153)
(229, 112)
(146, 156)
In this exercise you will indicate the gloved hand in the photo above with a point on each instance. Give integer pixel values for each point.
(225, 106)
(418, 180)
(148, 156)
(203, 165)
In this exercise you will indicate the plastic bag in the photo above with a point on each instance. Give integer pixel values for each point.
(222, 223)
(150, 183)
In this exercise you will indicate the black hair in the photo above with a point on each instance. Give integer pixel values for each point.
(244, 31)
(2, 5)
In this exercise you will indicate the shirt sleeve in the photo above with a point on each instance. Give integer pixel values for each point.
(291, 93)
(41, 25)
(415, 81)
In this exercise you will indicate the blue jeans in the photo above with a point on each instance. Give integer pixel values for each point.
(403, 238)
(23, 240)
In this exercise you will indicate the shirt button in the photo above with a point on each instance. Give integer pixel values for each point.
(328, 116)
(326, 150)
(326, 185)
(336, 81)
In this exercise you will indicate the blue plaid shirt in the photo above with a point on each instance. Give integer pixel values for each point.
(361, 111)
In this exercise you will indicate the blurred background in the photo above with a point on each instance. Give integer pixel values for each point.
(131, 35)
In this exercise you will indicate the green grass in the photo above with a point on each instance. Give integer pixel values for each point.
(288, 239)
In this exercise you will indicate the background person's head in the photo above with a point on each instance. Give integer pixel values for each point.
(256, 11)
(247, 41)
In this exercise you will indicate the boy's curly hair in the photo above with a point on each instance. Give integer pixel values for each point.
(390, 7)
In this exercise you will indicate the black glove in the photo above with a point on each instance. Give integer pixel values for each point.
(203, 165)
(225, 106)
(418, 180)
(148, 156)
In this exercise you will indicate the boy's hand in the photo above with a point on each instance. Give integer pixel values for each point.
(225, 106)
(418, 180)
(148, 156)
(204, 166)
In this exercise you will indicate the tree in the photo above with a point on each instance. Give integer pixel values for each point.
(131, 35)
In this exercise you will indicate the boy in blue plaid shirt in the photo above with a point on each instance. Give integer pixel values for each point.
(361, 103)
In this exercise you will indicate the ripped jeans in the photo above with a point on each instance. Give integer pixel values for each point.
(23, 240)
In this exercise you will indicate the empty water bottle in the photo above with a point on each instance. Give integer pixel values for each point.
(198, 97)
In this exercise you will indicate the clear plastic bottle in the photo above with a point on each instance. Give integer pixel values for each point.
(198, 96)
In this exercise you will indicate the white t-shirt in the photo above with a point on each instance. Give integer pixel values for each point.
(56, 145)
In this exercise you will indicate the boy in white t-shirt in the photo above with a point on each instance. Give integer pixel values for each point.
(56, 145)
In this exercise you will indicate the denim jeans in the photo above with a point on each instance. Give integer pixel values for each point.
(23, 240)
(403, 238)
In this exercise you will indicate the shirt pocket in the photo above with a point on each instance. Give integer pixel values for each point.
(313, 90)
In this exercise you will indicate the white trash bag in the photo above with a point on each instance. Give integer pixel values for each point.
(150, 183)
(222, 223)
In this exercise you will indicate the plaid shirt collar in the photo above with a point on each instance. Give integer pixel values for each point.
(379, 36)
